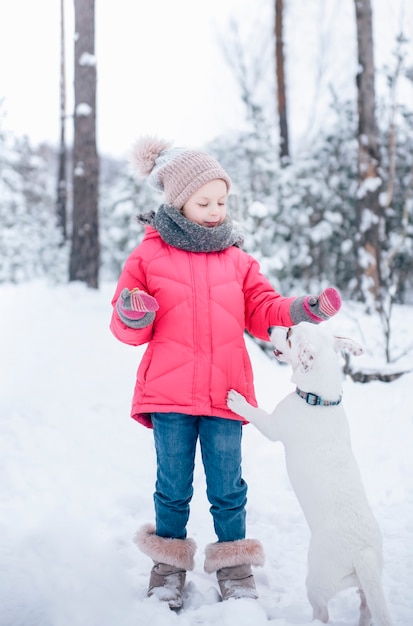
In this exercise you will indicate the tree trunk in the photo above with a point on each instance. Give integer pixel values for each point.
(280, 79)
(369, 211)
(85, 253)
(62, 174)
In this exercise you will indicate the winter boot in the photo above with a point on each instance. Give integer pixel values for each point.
(236, 582)
(167, 583)
(232, 560)
(172, 558)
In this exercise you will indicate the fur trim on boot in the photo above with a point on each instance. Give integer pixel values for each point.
(171, 557)
(177, 552)
(232, 560)
(232, 553)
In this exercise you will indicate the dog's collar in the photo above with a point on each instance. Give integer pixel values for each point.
(314, 400)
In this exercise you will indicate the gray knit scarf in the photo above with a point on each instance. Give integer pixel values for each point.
(176, 230)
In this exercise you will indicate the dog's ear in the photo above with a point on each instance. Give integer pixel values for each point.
(345, 343)
(306, 356)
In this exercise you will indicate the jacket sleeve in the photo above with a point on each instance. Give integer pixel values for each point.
(133, 275)
(264, 307)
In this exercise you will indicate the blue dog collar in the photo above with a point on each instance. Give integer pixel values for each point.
(314, 400)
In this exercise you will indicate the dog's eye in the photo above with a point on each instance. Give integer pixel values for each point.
(289, 333)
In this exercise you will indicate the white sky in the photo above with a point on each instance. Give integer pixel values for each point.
(160, 68)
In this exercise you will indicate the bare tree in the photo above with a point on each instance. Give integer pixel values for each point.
(85, 252)
(280, 79)
(248, 68)
(369, 210)
(62, 174)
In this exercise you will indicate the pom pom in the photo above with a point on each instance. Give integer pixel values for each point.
(144, 154)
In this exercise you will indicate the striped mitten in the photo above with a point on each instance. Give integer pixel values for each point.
(316, 309)
(136, 308)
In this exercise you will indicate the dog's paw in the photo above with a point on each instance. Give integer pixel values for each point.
(236, 402)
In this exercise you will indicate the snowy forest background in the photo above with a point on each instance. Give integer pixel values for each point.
(299, 214)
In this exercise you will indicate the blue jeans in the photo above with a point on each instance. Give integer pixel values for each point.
(176, 436)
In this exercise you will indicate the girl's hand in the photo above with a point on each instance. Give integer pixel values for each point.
(316, 308)
(136, 308)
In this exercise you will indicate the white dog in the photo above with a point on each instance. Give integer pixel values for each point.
(345, 548)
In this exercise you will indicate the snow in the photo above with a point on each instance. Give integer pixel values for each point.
(369, 185)
(87, 59)
(79, 169)
(258, 209)
(77, 475)
(84, 109)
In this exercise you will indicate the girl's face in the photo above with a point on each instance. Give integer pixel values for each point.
(207, 206)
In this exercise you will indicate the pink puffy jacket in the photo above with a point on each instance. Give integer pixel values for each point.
(196, 350)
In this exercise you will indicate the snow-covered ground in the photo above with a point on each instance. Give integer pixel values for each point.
(77, 475)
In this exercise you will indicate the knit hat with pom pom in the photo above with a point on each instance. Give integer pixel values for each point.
(178, 172)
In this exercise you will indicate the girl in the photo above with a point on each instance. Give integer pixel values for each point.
(189, 291)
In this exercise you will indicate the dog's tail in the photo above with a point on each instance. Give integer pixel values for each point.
(369, 574)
